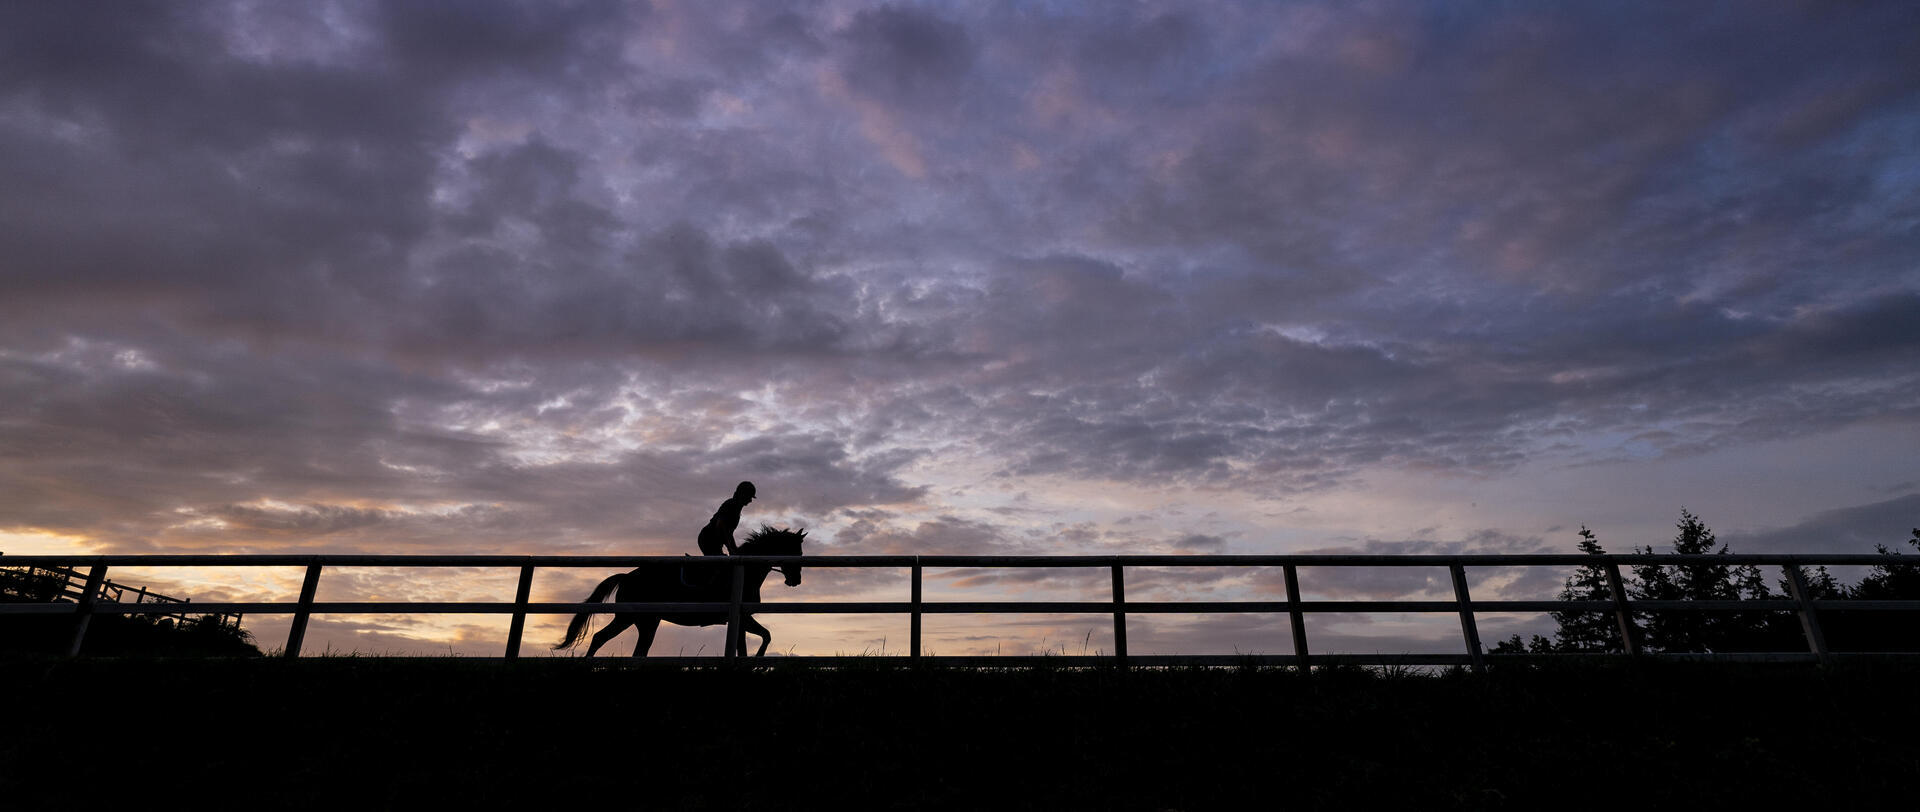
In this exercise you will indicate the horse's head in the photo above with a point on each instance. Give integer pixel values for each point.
(777, 541)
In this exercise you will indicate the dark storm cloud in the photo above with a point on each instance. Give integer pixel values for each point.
(452, 41)
(906, 57)
(1856, 529)
(1197, 544)
(423, 274)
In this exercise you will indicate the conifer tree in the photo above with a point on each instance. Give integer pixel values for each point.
(1686, 630)
(1749, 631)
(1582, 630)
(1515, 645)
(1884, 631)
(1891, 581)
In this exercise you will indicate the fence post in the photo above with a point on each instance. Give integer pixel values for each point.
(913, 627)
(1467, 627)
(298, 633)
(736, 636)
(1809, 623)
(84, 615)
(519, 623)
(1623, 616)
(1296, 618)
(1119, 615)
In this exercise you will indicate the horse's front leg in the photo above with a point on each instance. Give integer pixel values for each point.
(748, 624)
(648, 626)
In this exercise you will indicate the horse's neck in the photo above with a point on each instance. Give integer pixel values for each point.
(756, 574)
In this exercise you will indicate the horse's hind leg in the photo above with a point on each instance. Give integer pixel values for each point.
(748, 624)
(606, 635)
(647, 626)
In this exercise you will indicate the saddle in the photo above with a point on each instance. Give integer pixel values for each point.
(698, 577)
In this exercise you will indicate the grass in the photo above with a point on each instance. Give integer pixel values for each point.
(373, 732)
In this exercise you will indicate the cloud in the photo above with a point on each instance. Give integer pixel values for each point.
(552, 277)
(314, 520)
(1428, 583)
(907, 57)
(1856, 529)
(1197, 544)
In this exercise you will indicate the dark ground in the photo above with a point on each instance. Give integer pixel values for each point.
(364, 732)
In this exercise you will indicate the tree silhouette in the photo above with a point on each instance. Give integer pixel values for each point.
(1581, 630)
(1891, 581)
(1515, 645)
(1882, 631)
(1687, 630)
(1759, 629)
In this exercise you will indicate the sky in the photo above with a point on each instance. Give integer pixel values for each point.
(1037, 278)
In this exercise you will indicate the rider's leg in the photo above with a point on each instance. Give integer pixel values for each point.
(712, 543)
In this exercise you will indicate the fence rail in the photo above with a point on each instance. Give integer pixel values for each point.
(69, 584)
(1808, 610)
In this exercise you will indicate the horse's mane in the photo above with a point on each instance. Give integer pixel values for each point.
(768, 535)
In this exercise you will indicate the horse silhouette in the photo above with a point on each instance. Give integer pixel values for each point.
(673, 583)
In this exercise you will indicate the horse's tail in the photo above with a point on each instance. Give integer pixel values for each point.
(578, 628)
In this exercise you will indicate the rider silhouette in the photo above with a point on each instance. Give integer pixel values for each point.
(719, 530)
